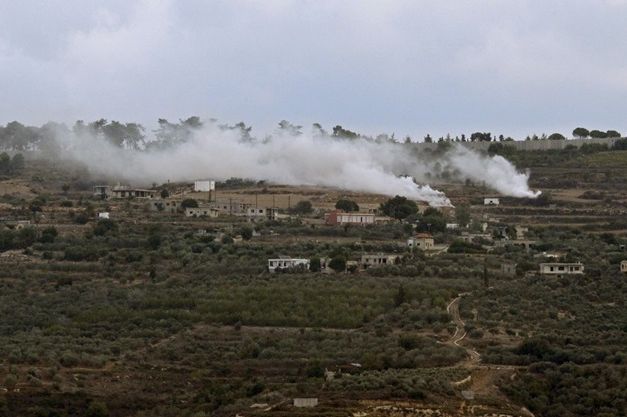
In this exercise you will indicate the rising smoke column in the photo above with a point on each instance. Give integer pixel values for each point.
(495, 171)
(359, 165)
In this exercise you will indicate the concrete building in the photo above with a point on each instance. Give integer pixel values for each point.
(103, 215)
(491, 201)
(623, 267)
(287, 263)
(452, 226)
(337, 217)
(422, 241)
(167, 206)
(204, 186)
(471, 237)
(122, 191)
(508, 269)
(305, 402)
(521, 232)
(102, 191)
(379, 259)
(236, 208)
(262, 213)
(560, 269)
(201, 211)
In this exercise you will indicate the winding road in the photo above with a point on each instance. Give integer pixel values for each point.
(460, 332)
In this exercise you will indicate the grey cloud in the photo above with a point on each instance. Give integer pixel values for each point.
(409, 67)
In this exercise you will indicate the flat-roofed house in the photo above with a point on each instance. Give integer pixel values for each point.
(122, 191)
(201, 211)
(287, 263)
(102, 191)
(559, 269)
(305, 402)
(491, 201)
(508, 269)
(337, 217)
(379, 259)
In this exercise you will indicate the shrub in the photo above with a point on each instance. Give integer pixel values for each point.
(303, 207)
(189, 203)
(105, 226)
(346, 205)
(338, 263)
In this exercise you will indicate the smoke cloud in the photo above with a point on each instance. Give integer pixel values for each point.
(307, 159)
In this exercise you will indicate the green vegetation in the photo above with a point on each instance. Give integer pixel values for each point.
(346, 205)
(399, 207)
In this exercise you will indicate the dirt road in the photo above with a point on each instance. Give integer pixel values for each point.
(460, 331)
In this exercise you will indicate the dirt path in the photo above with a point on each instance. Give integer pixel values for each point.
(460, 331)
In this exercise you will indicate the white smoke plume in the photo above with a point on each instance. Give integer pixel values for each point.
(357, 165)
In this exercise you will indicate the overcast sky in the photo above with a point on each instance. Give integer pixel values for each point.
(408, 67)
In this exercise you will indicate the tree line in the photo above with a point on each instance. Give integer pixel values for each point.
(15, 136)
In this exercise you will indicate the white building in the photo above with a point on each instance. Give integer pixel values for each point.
(287, 263)
(452, 226)
(491, 201)
(560, 269)
(204, 186)
(337, 217)
(103, 215)
(122, 191)
(305, 402)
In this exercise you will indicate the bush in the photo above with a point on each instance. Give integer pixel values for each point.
(303, 207)
(81, 218)
(189, 203)
(346, 205)
(399, 207)
(338, 264)
(314, 265)
(48, 235)
(105, 226)
(80, 253)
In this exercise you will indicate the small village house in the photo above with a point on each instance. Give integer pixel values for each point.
(201, 211)
(491, 201)
(305, 402)
(380, 259)
(508, 269)
(423, 241)
(521, 232)
(122, 191)
(204, 186)
(287, 263)
(102, 191)
(560, 269)
(337, 217)
(262, 213)
(103, 215)
(166, 205)
(231, 207)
